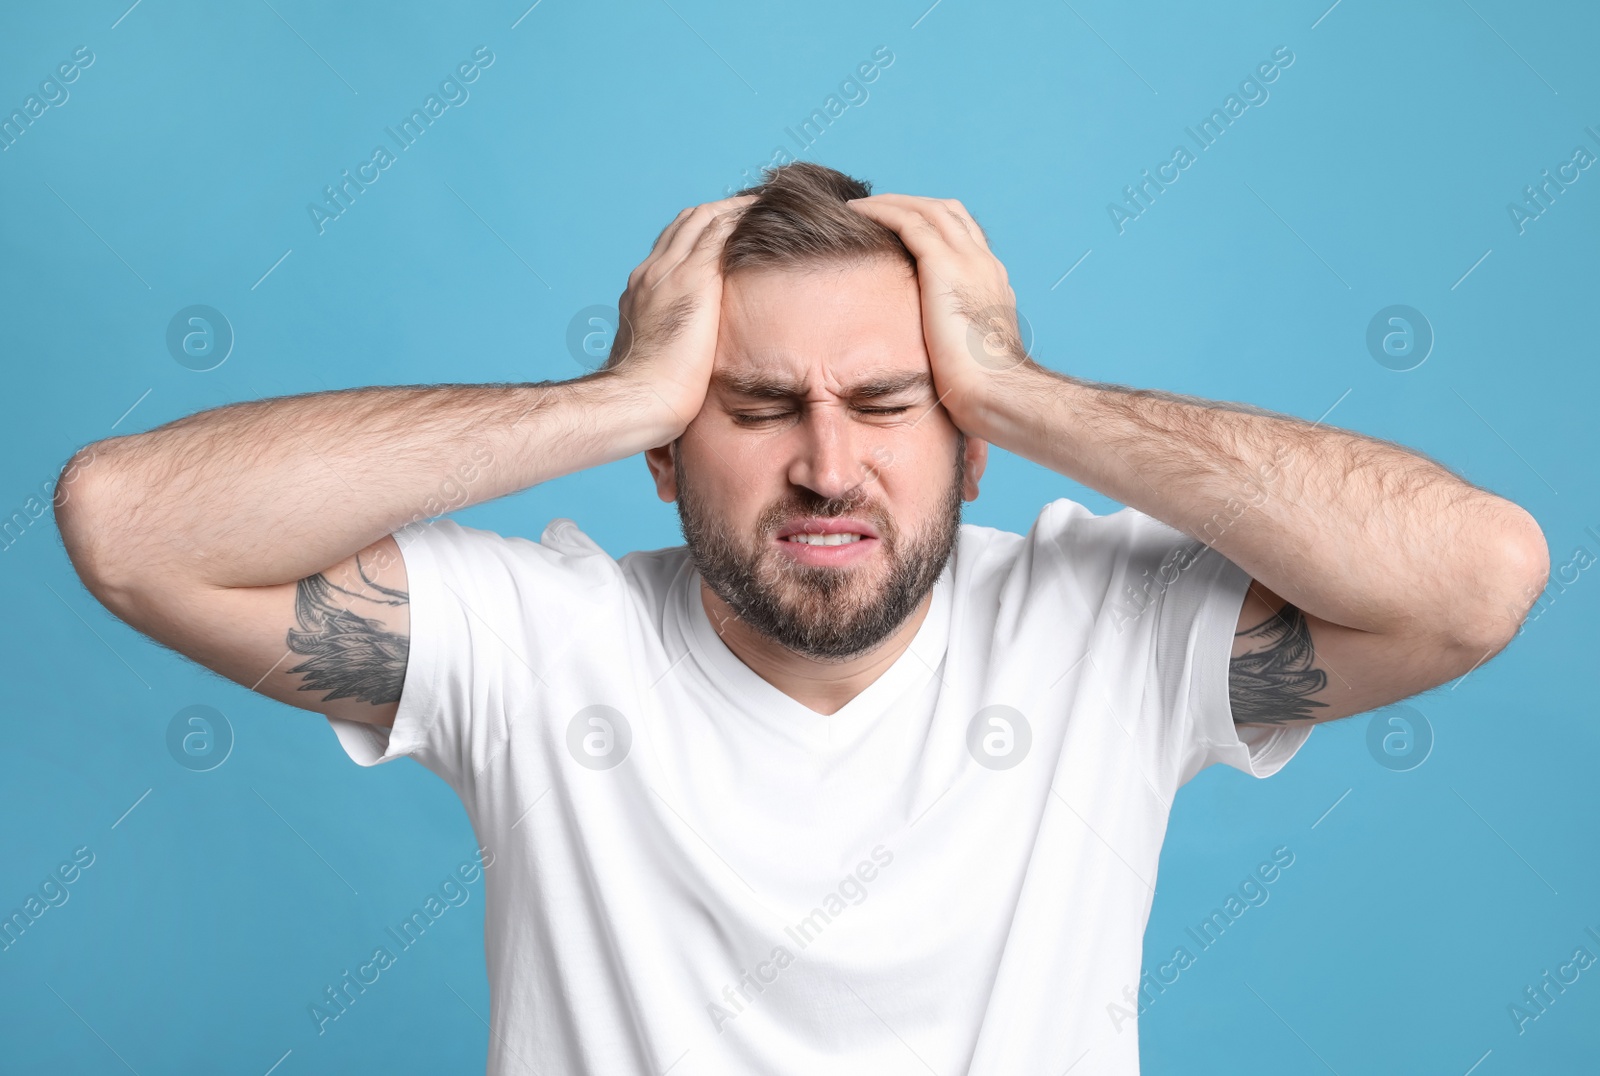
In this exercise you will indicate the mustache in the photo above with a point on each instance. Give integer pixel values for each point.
(860, 507)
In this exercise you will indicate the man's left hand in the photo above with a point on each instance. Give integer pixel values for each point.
(969, 312)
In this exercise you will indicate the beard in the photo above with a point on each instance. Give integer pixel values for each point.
(825, 614)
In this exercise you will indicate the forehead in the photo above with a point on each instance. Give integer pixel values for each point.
(825, 326)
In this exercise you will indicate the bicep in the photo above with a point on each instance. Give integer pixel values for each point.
(335, 642)
(1289, 667)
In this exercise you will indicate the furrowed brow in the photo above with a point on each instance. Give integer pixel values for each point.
(892, 385)
(758, 386)
(764, 387)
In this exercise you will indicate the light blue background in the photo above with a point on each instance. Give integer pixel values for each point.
(1378, 173)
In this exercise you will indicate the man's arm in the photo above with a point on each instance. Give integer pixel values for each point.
(1376, 573)
(255, 538)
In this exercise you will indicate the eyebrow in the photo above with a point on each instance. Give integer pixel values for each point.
(768, 387)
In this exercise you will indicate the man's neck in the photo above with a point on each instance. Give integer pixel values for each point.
(821, 686)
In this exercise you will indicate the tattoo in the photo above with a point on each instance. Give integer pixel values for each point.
(347, 655)
(1271, 684)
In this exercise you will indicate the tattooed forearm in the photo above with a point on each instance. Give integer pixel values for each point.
(1272, 684)
(347, 655)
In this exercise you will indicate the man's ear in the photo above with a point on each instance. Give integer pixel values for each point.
(659, 460)
(974, 461)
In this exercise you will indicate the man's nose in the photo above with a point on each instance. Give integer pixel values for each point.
(831, 457)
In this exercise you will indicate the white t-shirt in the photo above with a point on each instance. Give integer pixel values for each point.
(690, 870)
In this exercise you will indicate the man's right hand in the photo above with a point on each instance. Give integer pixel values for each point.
(668, 314)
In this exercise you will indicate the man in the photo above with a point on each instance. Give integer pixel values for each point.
(842, 785)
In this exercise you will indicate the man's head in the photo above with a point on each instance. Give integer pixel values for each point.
(821, 414)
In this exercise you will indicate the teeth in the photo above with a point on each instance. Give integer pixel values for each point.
(824, 539)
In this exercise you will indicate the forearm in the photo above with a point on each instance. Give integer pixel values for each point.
(1351, 529)
(270, 491)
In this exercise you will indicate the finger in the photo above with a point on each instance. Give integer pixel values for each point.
(967, 220)
(666, 234)
(905, 213)
(674, 226)
(663, 238)
(952, 220)
(923, 224)
(707, 252)
(942, 212)
(713, 218)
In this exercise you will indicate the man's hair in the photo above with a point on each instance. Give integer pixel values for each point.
(800, 220)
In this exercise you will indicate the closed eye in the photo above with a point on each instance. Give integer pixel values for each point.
(773, 416)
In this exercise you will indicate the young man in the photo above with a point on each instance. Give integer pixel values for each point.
(843, 784)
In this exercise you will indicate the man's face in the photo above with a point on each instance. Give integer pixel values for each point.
(821, 416)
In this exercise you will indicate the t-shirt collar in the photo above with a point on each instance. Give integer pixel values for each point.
(747, 691)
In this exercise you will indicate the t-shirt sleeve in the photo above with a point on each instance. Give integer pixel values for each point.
(1195, 619)
(490, 617)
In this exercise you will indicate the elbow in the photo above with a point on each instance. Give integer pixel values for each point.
(81, 504)
(1506, 585)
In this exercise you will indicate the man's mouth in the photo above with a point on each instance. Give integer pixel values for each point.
(827, 541)
(823, 539)
(827, 527)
